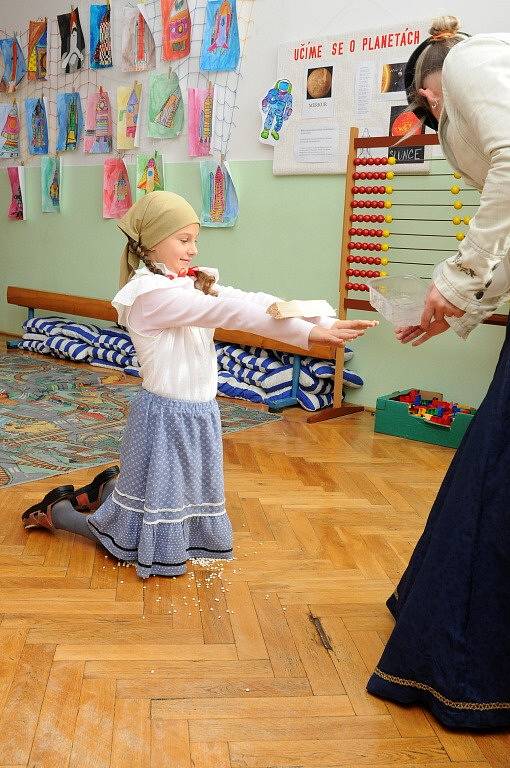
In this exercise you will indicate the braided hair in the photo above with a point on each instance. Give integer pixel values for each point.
(203, 280)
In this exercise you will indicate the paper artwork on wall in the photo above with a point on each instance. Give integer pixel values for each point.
(13, 64)
(275, 109)
(150, 174)
(98, 124)
(69, 122)
(128, 115)
(220, 206)
(16, 176)
(138, 49)
(51, 184)
(200, 121)
(220, 44)
(166, 109)
(176, 34)
(116, 188)
(36, 121)
(9, 130)
(100, 37)
(72, 42)
(37, 49)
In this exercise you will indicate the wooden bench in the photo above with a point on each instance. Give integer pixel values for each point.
(101, 309)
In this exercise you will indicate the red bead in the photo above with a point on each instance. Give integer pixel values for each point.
(375, 204)
(354, 190)
(364, 246)
(350, 259)
(371, 246)
(377, 274)
(363, 259)
(384, 161)
(365, 218)
(355, 176)
(352, 231)
(357, 259)
(349, 272)
(370, 161)
(356, 272)
(370, 232)
(363, 161)
(377, 260)
(357, 161)
(364, 232)
(363, 175)
(380, 204)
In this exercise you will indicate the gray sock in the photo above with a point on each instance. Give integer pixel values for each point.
(107, 490)
(67, 518)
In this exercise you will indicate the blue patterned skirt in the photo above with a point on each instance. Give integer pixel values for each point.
(169, 503)
(450, 648)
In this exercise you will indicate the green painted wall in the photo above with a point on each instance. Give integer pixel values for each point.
(286, 242)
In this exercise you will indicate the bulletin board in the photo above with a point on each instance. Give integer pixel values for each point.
(339, 81)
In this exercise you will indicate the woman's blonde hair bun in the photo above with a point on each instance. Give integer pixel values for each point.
(445, 25)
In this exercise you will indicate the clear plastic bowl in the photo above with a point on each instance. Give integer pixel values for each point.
(400, 300)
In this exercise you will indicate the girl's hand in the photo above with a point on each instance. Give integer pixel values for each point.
(336, 337)
(433, 320)
(355, 325)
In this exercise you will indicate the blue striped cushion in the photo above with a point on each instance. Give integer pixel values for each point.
(43, 324)
(80, 331)
(117, 339)
(69, 348)
(110, 356)
(35, 346)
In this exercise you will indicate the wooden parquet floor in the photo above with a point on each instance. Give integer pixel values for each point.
(261, 663)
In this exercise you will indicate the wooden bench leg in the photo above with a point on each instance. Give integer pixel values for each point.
(16, 343)
(285, 402)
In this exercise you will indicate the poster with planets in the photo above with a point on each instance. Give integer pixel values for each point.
(326, 85)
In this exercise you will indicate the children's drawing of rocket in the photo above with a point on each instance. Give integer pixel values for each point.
(220, 37)
(217, 194)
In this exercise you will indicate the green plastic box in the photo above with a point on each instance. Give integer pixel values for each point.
(393, 418)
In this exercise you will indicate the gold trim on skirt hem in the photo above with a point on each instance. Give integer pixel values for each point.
(486, 706)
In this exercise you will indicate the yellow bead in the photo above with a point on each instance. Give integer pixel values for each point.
(389, 190)
(390, 175)
(386, 233)
(457, 205)
(456, 175)
(456, 220)
(383, 274)
(392, 161)
(466, 219)
(385, 260)
(388, 203)
(385, 247)
(388, 219)
(460, 235)
(455, 189)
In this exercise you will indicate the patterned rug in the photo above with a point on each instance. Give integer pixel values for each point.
(55, 418)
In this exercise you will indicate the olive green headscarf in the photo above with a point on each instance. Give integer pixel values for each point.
(149, 221)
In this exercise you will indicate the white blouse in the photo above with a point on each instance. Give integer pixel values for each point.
(172, 326)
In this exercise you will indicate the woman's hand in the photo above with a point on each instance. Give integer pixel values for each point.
(433, 320)
(342, 331)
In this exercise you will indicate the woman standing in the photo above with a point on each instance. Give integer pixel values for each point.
(450, 648)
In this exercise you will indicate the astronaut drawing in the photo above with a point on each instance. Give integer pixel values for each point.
(277, 107)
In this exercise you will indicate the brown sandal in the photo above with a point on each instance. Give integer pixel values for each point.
(39, 515)
(88, 498)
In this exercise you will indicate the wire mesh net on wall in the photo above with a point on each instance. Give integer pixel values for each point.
(87, 81)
